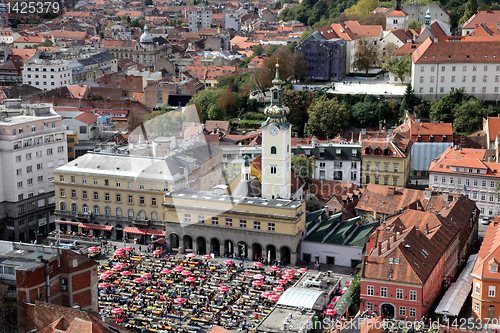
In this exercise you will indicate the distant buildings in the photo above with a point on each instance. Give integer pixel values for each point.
(199, 19)
(47, 74)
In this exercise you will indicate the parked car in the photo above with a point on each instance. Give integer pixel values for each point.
(485, 220)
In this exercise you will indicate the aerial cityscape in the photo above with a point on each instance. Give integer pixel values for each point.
(272, 166)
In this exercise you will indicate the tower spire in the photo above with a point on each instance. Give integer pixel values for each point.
(428, 18)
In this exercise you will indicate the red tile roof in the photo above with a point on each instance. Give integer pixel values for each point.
(77, 91)
(399, 13)
(483, 16)
(87, 118)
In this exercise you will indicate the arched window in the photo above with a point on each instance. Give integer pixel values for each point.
(142, 215)
(154, 216)
(273, 150)
(107, 211)
(118, 211)
(85, 208)
(74, 207)
(62, 205)
(96, 209)
(130, 212)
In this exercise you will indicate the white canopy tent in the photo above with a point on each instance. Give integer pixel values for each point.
(303, 298)
(455, 296)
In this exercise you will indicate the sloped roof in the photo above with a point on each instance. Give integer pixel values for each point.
(483, 16)
(377, 198)
(77, 91)
(399, 13)
(87, 118)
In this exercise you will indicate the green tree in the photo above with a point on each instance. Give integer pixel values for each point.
(356, 290)
(470, 10)
(413, 24)
(101, 34)
(258, 50)
(442, 110)
(227, 102)
(363, 7)
(124, 17)
(327, 117)
(136, 23)
(214, 112)
(366, 55)
(304, 35)
(148, 3)
(365, 114)
(468, 116)
(298, 102)
(409, 101)
(399, 67)
(303, 166)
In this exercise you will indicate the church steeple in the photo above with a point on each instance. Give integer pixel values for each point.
(276, 111)
(245, 168)
(428, 18)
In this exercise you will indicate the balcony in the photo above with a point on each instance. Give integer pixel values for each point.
(86, 215)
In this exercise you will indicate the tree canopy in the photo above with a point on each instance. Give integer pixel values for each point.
(366, 55)
(399, 67)
(327, 116)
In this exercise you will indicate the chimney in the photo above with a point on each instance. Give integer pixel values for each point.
(454, 156)
(375, 214)
(379, 248)
(445, 197)
(427, 228)
(388, 245)
(181, 170)
(391, 190)
(394, 237)
(428, 193)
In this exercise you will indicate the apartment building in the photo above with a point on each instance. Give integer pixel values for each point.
(47, 74)
(111, 193)
(333, 161)
(466, 171)
(386, 159)
(33, 144)
(199, 19)
(441, 67)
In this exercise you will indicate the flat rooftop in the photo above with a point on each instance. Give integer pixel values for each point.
(24, 256)
(280, 317)
(212, 197)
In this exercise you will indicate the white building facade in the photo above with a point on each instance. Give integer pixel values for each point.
(200, 19)
(47, 74)
(438, 67)
(32, 144)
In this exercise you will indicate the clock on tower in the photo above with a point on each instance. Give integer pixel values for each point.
(276, 141)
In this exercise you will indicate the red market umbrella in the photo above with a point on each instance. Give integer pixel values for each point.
(122, 264)
(116, 268)
(228, 262)
(207, 256)
(281, 281)
(190, 279)
(278, 289)
(258, 264)
(119, 254)
(289, 271)
(348, 283)
(178, 269)
(273, 297)
(186, 273)
(287, 276)
(165, 271)
(103, 285)
(259, 277)
(190, 255)
(179, 300)
(302, 270)
(117, 311)
(223, 288)
(126, 273)
(104, 276)
(146, 275)
(157, 252)
(274, 268)
(266, 294)
(257, 283)
(93, 249)
(121, 249)
(138, 280)
(342, 292)
(329, 312)
(129, 249)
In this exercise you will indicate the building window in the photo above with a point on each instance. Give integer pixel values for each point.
(399, 293)
(215, 220)
(153, 201)
(370, 290)
(402, 311)
(493, 268)
(476, 304)
(229, 222)
(106, 182)
(477, 289)
(491, 291)
(243, 223)
(141, 201)
(256, 225)
(84, 194)
(376, 179)
(413, 295)
(96, 195)
(130, 199)
(201, 219)
(118, 183)
(413, 312)
(386, 180)
(383, 291)
(483, 197)
(187, 217)
(271, 227)
(106, 196)
(483, 183)
(118, 198)
(451, 180)
(369, 306)
(273, 169)
(273, 150)
(96, 182)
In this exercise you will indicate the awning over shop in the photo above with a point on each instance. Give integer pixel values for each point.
(139, 231)
(344, 302)
(95, 226)
(455, 296)
(67, 222)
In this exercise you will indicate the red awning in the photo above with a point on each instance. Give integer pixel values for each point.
(95, 226)
(67, 222)
(138, 231)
